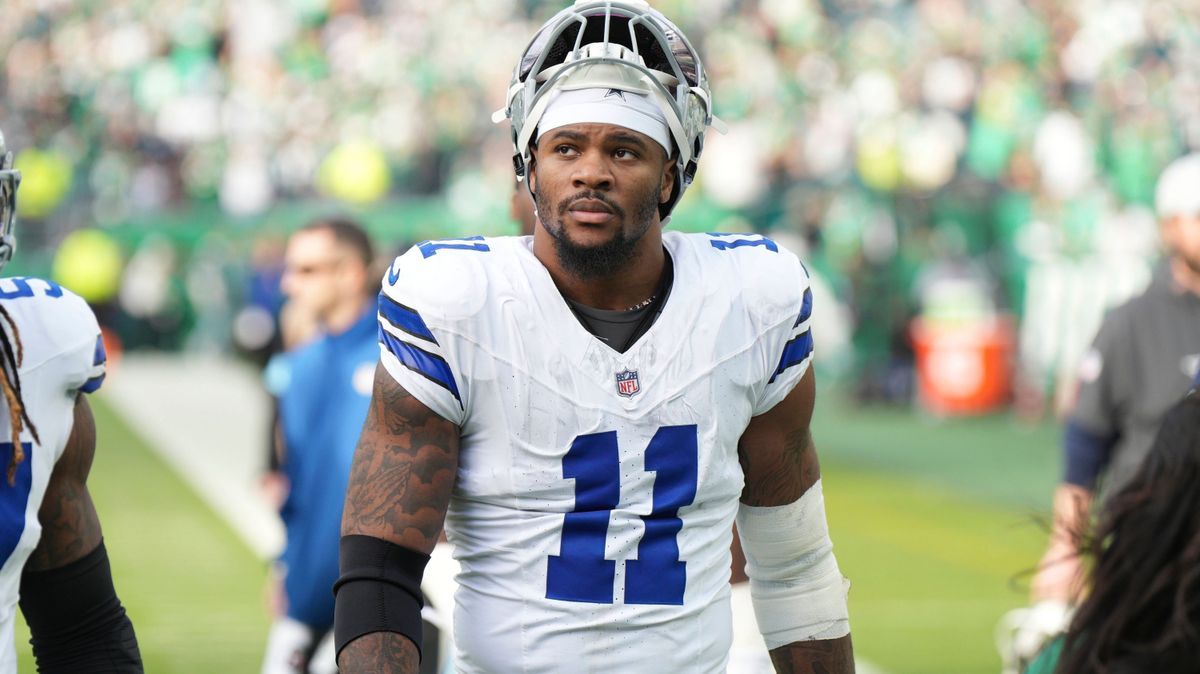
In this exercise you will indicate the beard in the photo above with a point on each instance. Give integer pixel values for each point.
(601, 259)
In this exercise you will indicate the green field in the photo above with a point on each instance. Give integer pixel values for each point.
(192, 589)
(932, 522)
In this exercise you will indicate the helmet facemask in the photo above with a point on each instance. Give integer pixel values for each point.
(10, 179)
(617, 45)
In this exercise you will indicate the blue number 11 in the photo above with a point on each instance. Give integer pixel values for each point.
(580, 572)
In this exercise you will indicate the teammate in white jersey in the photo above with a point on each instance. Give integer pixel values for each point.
(589, 409)
(51, 550)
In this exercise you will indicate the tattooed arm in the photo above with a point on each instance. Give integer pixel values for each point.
(400, 484)
(780, 465)
(76, 621)
(70, 526)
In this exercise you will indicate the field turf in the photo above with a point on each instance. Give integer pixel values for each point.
(933, 522)
(193, 590)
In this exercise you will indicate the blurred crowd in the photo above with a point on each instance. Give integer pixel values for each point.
(1008, 146)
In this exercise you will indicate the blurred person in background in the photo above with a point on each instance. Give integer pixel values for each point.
(51, 548)
(1142, 611)
(1142, 359)
(588, 410)
(323, 386)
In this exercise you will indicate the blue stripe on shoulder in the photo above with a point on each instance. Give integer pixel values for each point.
(404, 318)
(794, 353)
(805, 308)
(100, 356)
(92, 385)
(429, 365)
(746, 240)
(430, 248)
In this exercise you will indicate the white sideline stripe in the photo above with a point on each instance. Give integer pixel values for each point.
(207, 417)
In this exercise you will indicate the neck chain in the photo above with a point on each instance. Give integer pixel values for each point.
(644, 303)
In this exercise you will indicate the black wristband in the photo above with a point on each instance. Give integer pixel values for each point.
(379, 590)
(76, 621)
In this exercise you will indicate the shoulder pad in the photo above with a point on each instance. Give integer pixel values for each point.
(448, 278)
(770, 277)
(55, 323)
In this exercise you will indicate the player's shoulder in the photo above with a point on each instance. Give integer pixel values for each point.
(57, 330)
(46, 313)
(451, 277)
(767, 276)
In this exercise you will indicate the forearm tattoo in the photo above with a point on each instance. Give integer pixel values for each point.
(403, 470)
(380, 653)
(826, 656)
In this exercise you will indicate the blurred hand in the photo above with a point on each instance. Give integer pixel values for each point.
(274, 598)
(274, 486)
(1060, 573)
(1059, 576)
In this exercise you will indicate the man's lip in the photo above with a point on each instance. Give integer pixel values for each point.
(590, 206)
(591, 217)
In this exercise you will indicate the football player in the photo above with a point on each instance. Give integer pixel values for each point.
(51, 548)
(589, 409)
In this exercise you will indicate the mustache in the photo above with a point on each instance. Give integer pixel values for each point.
(565, 204)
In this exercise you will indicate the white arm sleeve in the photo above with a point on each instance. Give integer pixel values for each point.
(798, 591)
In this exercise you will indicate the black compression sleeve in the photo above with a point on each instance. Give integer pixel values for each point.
(379, 590)
(76, 622)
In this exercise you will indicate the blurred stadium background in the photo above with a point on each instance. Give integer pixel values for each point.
(969, 180)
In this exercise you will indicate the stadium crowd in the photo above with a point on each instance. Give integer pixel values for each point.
(1015, 142)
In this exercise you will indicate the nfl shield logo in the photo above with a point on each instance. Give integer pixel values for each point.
(627, 383)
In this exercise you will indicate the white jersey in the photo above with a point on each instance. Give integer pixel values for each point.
(596, 490)
(63, 356)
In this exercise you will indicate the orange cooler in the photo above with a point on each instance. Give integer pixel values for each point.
(963, 368)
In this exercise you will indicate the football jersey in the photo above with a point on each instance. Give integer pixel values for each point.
(596, 490)
(63, 356)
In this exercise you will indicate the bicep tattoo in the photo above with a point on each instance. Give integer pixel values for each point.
(70, 526)
(403, 471)
(776, 451)
(780, 475)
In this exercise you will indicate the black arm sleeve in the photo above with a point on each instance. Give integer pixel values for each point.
(76, 622)
(379, 590)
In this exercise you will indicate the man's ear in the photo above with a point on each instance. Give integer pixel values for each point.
(668, 181)
(531, 168)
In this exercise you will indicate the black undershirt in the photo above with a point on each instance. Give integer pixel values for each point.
(620, 329)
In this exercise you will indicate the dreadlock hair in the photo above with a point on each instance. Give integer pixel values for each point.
(10, 360)
(1143, 613)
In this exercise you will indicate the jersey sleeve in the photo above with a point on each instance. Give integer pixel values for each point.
(75, 327)
(420, 312)
(1104, 376)
(787, 343)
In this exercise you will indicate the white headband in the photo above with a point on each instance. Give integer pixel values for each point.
(607, 106)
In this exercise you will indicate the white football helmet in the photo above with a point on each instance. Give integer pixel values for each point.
(10, 179)
(618, 44)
